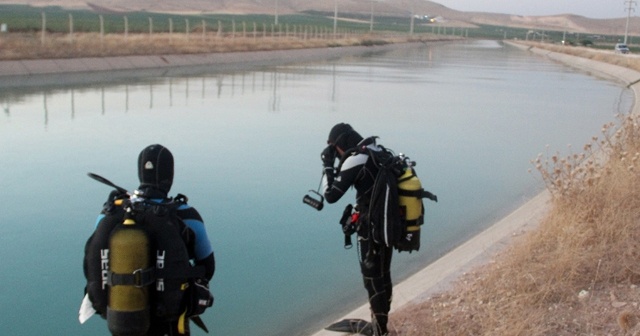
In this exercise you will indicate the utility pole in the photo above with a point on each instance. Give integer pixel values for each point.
(631, 4)
(276, 18)
(335, 18)
(371, 22)
(411, 20)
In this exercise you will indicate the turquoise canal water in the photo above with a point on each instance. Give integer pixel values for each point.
(247, 149)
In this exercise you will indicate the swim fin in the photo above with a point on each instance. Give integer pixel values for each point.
(198, 321)
(352, 326)
(86, 309)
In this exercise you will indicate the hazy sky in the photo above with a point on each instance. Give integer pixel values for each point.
(597, 9)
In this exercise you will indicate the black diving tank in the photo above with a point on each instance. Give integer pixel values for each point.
(128, 311)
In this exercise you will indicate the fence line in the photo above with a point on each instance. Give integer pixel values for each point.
(282, 31)
(275, 31)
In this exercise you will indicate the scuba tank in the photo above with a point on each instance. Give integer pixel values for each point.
(130, 275)
(411, 209)
(411, 205)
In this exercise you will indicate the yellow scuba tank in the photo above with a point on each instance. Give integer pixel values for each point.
(128, 310)
(410, 201)
(411, 206)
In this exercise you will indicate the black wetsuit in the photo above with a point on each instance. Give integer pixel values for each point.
(359, 171)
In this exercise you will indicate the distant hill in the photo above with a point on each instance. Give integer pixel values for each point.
(568, 22)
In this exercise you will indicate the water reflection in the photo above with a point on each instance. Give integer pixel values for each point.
(164, 93)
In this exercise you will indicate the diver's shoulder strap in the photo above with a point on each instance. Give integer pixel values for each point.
(360, 148)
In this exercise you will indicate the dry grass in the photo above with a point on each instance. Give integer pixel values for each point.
(577, 274)
(20, 46)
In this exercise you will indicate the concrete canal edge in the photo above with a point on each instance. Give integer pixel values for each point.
(25, 73)
(628, 77)
(439, 275)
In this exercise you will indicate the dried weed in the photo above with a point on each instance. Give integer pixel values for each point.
(21, 46)
(577, 274)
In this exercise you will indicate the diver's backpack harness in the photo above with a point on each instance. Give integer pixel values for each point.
(395, 211)
(137, 263)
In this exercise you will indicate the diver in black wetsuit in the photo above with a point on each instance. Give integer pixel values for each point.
(155, 172)
(156, 182)
(359, 171)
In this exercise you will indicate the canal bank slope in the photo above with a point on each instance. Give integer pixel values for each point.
(439, 275)
(43, 72)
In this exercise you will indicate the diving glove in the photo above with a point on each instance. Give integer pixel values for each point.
(328, 157)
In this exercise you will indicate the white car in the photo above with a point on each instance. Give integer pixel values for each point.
(621, 48)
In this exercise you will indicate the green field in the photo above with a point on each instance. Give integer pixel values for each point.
(22, 18)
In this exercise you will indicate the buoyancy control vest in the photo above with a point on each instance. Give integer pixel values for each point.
(396, 210)
(137, 264)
